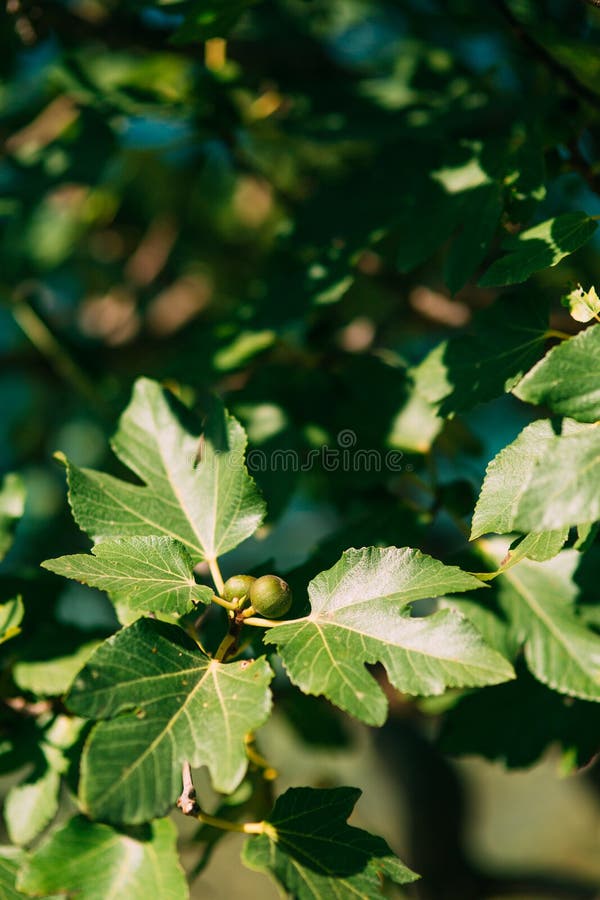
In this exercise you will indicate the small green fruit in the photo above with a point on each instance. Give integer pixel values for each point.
(237, 586)
(271, 596)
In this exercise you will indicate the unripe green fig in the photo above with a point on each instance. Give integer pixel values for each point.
(271, 596)
(237, 586)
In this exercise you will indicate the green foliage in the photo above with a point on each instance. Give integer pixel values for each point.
(199, 495)
(539, 247)
(295, 220)
(11, 859)
(154, 686)
(359, 615)
(566, 378)
(312, 855)
(506, 341)
(96, 861)
(543, 481)
(538, 599)
(151, 574)
(515, 722)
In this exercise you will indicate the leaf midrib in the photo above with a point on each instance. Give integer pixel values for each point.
(409, 650)
(126, 773)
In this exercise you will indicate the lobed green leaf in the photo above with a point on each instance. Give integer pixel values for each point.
(195, 491)
(165, 701)
(146, 574)
(359, 615)
(313, 854)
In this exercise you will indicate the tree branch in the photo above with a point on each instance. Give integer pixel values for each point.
(545, 57)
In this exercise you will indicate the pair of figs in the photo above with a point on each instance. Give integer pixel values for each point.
(269, 595)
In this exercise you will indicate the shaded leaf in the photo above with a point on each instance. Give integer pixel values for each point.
(165, 701)
(505, 341)
(517, 722)
(145, 574)
(52, 677)
(359, 615)
(567, 379)
(210, 505)
(586, 535)
(94, 862)
(483, 206)
(539, 247)
(312, 853)
(416, 425)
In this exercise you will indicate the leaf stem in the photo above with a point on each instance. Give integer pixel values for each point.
(188, 804)
(562, 335)
(268, 623)
(224, 603)
(226, 646)
(269, 773)
(240, 827)
(216, 575)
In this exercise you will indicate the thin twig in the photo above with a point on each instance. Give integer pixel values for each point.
(188, 805)
(545, 57)
(186, 801)
(44, 341)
